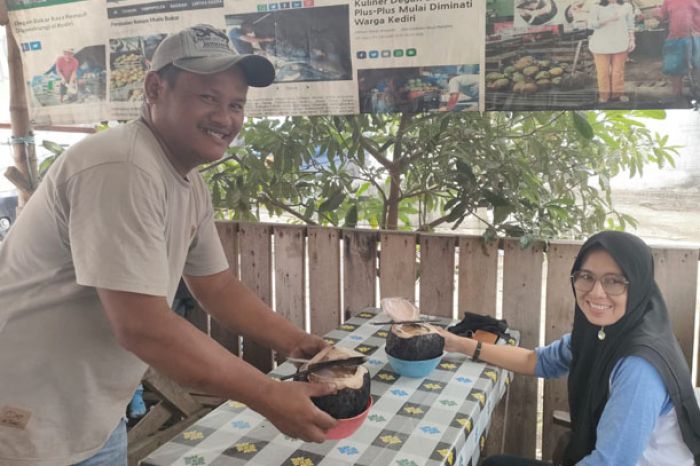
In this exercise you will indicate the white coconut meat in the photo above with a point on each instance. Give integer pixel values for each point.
(412, 330)
(400, 309)
(351, 376)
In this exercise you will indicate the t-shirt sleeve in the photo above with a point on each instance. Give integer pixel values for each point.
(554, 360)
(116, 217)
(637, 398)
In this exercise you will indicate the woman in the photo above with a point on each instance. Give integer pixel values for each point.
(612, 22)
(630, 394)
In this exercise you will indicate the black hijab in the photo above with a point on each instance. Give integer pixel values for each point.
(644, 330)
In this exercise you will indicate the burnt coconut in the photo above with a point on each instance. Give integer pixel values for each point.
(414, 342)
(352, 381)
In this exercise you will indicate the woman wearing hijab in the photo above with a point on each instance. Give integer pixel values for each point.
(630, 395)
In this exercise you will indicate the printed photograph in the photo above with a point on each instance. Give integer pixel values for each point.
(420, 89)
(75, 76)
(129, 60)
(588, 54)
(304, 44)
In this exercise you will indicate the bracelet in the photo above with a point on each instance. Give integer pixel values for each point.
(477, 352)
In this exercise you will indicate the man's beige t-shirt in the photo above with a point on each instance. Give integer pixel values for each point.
(111, 213)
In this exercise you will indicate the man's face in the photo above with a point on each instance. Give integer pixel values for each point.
(199, 115)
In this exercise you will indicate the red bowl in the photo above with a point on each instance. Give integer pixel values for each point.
(346, 427)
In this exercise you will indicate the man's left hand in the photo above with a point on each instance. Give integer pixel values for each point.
(308, 347)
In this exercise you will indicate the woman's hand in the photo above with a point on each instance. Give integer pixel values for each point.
(453, 343)
(632, 44)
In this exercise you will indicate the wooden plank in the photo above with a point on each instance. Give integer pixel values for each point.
(289, 273)
(476, 292)
(559, 318)
(150, 423)
(170, 392)
(139, 450)
(256, 273)
(478, 274)
(228, 233)
(676, 273)
(522, 287)
(360, 270)
(324, 279)
(397, 265)
(437, 268)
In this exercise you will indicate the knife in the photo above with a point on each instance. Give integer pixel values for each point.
(352, 361)
(391, 322)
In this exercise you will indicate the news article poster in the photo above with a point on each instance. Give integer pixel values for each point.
(588, 54)
(84, 60)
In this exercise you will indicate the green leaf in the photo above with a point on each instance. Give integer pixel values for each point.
(582, 126)
(333, 201)
(351, 217)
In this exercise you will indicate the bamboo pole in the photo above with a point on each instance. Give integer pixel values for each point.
(24, 173)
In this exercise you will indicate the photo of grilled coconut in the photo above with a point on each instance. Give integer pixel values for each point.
(353, 383)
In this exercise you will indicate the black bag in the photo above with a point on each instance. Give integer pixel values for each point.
(473, 322)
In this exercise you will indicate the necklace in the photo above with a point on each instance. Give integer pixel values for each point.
(601, 334)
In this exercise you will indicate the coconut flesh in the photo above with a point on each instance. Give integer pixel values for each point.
(352, 383)
(411, 342)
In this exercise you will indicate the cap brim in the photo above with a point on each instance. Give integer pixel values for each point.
(258, 70)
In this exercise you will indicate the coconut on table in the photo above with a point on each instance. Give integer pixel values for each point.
(410, 341)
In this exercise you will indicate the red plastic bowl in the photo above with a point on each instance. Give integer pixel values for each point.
(346, 427)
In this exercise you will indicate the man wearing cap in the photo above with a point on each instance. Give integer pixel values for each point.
(90, 269)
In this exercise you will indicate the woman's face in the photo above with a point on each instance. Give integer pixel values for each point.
(600, 308)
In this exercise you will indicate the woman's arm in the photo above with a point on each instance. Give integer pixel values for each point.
(637, 398)
(512, 358)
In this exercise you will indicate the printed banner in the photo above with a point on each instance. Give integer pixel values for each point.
(84, 60)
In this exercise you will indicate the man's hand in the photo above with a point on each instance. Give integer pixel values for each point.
(289, 407)
(308, 347)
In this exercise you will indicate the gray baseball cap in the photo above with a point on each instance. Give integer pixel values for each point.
(203, 49)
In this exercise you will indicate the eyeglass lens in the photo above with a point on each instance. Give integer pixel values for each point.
(612, 284)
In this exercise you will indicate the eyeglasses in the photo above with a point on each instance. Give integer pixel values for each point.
(612, 284)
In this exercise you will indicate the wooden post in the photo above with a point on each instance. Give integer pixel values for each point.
(24, 174)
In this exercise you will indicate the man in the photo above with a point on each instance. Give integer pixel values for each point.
(92, 264)
(462, 87)
(67, 67)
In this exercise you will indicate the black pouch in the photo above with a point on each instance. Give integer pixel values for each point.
(473, 322)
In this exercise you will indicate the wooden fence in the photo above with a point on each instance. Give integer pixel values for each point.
(338, 272)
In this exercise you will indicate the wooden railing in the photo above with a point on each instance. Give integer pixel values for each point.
(338, 272)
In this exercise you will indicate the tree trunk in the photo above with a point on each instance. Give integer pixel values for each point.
(24, 173)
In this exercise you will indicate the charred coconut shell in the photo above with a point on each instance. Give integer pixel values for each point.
(414, 342)
(352, 382)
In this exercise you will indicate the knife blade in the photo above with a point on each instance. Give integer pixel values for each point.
(352, 361)
(391, 322)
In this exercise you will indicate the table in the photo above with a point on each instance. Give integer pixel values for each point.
(439, 420)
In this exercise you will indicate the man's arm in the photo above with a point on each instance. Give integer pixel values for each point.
(147, 327)
(237, 308)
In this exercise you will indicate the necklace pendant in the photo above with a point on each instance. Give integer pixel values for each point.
(601, 334)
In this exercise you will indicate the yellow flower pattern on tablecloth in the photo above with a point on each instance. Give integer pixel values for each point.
(448, 365)
(302, 461)
(236, 404)
(466, 423)
(413, 410)
(479, 397)
(387, 377)
(432, 386)
(246, 447)
(448, 455)
(193, 435)
(390, 439)
(491, 375)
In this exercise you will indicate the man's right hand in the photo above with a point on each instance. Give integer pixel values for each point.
(289, 407)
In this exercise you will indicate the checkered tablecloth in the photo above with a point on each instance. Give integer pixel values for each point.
(439, 420)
